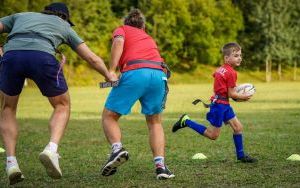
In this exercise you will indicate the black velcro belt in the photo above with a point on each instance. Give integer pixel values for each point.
(221, 98)
(133, 62)
(162, 64)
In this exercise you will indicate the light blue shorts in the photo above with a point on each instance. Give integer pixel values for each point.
(146, 85)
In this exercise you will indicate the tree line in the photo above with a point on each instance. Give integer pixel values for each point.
(189, 33)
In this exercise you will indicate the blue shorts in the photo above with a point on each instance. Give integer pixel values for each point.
(39, 66)
(219, 113)
(146, 85)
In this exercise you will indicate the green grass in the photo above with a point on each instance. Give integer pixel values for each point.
(271, 132)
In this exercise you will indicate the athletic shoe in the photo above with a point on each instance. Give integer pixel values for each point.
(14, 174)
(115, 160)
(247, 159)
(180, 123)
(49, 160)
(162, 174)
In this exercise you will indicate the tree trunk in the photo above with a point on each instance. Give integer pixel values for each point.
(279, 71)
(295, 71)
(268, 69)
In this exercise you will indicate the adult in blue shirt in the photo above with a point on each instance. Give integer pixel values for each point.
(30, 53)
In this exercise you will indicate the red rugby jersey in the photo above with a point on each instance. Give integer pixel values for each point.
(224, 77)
(138, 45)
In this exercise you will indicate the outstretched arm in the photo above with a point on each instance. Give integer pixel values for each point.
(95, 61)
(1, 30)
(1, 27)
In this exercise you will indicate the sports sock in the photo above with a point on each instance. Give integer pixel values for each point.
(238, 142)
(195, 126)
(159, 162)
(52, 147)
(116, 147)
(11, 161)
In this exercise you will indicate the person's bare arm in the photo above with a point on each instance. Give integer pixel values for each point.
(116, 53)
(234, 95)
(95, 61)
(1, 27)
(1, 30)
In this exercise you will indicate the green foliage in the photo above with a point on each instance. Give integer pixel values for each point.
(188, 33)
(191, 32)
(272, 28)
(121, 7)
(94, 23)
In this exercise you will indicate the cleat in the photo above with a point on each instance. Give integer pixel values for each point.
(14, 175)
(162, 174)
(49, 160)
(180, 123)
(115, 160)
(248, 159)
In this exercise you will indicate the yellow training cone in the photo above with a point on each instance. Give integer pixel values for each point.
(294, 157)
(199, 156)
(2, 150)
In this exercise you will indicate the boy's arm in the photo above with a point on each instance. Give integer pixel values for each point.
(237, 96)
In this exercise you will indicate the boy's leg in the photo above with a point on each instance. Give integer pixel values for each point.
(157, 144)
(214, 116)
(237, 128)
(212, 132)
(113, 135)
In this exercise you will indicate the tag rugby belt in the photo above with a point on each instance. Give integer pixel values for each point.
(162, 64)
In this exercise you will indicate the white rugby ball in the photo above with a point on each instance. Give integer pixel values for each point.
(245, 88)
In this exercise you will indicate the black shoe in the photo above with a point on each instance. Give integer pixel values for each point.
(115, 160)
(180, 123)
(162, 174)
(247, 159)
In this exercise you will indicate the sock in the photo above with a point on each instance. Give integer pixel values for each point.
(238, 142)
(52, 147)
(116, 147)
(159, 162)
(195, 126)
(11, 161)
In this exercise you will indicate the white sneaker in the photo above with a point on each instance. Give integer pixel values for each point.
(14, 174)
(50, 161)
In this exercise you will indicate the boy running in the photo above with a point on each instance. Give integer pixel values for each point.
(225, 78)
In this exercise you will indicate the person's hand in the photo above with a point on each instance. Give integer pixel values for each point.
(245, 97)
(111, 77)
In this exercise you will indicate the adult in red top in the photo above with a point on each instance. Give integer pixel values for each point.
(138, 45)
(135, 53)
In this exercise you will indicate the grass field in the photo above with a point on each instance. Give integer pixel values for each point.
(271, 132)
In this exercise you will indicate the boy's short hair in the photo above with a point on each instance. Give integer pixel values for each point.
(135, 18)
(230, 47)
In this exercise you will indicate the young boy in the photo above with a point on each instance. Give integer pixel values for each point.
(220, 110)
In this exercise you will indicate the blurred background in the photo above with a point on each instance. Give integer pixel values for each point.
(189, 34)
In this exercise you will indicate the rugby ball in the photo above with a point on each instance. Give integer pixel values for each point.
(245, 88)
